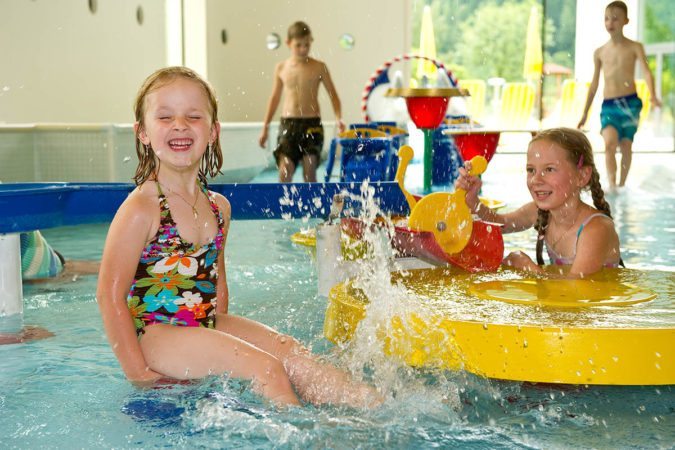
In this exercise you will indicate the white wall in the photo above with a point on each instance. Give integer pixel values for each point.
(61, 63)
(241, 70)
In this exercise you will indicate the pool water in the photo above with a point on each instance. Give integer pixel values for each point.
(69, 392)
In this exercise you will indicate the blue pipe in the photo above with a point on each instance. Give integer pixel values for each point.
(33, 206)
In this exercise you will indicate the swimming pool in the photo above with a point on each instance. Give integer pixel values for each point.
(68, 391)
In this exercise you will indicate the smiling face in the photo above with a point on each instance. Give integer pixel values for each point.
(553, 180)
(177, 123)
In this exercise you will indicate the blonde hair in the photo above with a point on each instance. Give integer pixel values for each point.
(212, 160)
(580, 154)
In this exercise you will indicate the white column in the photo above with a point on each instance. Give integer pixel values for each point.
(11, 290)
(328, 256)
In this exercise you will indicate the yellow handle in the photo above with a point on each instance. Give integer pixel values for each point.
(405, 154)
(478, 166)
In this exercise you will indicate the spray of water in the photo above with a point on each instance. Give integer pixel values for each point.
(390, 305)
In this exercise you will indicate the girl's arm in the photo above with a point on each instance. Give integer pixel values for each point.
(595, 244)
(128, 233)
(222, 292)
(521, 219)
(518, 220)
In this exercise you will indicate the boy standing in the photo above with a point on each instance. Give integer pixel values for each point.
(300, 130)
(621, 108)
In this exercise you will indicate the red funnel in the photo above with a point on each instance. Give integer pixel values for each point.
(476, 143)
(427, 112)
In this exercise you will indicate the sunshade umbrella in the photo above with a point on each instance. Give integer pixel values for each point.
(427, 46)
(533, 62)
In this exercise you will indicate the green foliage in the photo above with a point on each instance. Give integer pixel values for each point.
(475, 41)
(492, 46)
(659, 21)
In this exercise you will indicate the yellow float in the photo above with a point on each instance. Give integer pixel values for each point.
(600, 330)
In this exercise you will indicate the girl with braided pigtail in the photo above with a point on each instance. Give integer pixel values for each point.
(559, 167)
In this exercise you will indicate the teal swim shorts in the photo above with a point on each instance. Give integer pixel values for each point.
(623, 114)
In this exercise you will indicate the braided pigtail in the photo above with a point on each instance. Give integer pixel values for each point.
(540, 226)
(598, 196)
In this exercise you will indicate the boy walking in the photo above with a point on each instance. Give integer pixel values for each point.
(621, 106)
(300, 131)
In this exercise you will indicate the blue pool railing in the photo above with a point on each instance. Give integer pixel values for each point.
(33, 206)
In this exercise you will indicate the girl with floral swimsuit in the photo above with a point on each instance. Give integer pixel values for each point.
(166, 315)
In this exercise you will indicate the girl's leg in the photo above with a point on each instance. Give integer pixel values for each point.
(316, 382)
(193, 352)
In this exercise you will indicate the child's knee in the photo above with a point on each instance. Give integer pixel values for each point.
(611, 144)
(286, 346)
(271, 375)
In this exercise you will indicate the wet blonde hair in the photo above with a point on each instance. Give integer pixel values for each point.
(579, 153)
(148, 164)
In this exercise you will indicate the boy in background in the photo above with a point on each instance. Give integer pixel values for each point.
(300, 131)
(621, 106)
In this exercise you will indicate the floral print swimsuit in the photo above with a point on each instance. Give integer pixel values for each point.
(175, 281)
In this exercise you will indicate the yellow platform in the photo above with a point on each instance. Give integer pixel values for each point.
(616, 328)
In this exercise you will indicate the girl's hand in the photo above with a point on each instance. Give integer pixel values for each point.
(471, 184)
(519, 260)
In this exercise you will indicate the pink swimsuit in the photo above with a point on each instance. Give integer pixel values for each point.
(560, 260)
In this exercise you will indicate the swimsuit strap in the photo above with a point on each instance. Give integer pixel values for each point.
(588, 219)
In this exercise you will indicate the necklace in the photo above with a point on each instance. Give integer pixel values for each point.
(553, 244)
(195, 213)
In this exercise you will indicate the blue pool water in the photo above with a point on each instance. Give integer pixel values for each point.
(69, 392)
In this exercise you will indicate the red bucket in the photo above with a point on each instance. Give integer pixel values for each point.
(476, 143)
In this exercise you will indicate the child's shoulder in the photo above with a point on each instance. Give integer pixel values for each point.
(317, 62)
(597, 222)
(145, 194)
(140, 211)
(222, 202)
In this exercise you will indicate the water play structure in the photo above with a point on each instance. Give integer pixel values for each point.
(613, 328)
